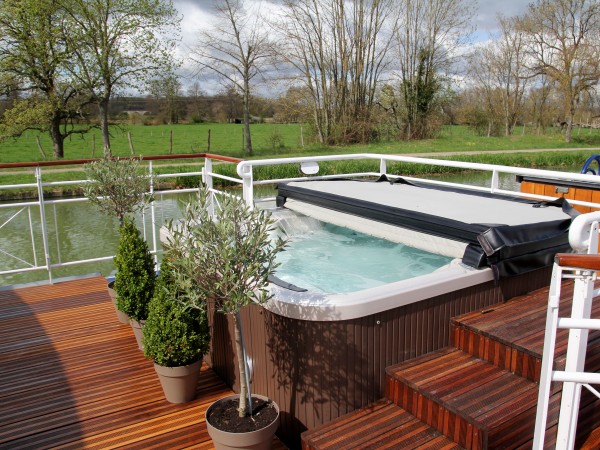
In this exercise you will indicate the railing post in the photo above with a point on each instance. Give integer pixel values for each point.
(38, 176)
(153, 215)
(575, 362)
(495, 181)
(248, 184)
(207, 179)
(382, 166)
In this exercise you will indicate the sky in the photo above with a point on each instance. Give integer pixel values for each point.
(197, 13)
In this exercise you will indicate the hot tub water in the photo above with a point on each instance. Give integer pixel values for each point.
(330, 259)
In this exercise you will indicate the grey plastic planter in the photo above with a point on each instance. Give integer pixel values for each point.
(255, 440)
(121, 316)
(179, 383)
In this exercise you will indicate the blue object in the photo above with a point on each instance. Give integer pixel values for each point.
(586, 166)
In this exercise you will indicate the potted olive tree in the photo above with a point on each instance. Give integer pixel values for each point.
(118, 187)
(175, 337)
(233, 256)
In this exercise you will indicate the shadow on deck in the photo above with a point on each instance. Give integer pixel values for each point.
(71, 376)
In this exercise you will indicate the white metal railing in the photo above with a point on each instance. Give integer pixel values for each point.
(43, 204)
(583, 237)
(245, 170)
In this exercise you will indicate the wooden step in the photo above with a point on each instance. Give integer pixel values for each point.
(380, 425)
(467, 399)
(510, 335)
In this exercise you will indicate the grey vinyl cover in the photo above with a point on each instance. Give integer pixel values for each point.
(509, 234)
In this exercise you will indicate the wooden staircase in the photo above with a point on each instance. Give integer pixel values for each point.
(480, 393)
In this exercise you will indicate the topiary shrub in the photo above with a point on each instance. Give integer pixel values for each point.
(173, 334)
(136, 277)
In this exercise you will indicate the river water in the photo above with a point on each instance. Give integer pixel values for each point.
(85, 233)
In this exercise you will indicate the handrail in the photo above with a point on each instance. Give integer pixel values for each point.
(74, 162)
(245, 172)
(576, 261)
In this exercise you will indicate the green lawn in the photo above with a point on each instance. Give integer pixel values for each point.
(274, 140)
(271, 140)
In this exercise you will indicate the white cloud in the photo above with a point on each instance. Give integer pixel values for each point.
(197, 15)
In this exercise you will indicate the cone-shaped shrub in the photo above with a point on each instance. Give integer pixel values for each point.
(136, 277)
(173, 334)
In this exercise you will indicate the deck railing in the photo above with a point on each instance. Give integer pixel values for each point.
(43, 203)
(245, 171)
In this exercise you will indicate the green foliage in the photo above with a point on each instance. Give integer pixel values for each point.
(118, 187)
(173, 334)
(136, 277)
(232, 254)
(23, 115)
(227, 256)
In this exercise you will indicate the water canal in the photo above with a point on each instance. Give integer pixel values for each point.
(77, 231)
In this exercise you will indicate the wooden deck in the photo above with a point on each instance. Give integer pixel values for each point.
(71, 376)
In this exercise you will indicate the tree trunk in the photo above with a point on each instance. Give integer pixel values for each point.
(239, 347)
(103, 110)
(58, 149)
(247, 116)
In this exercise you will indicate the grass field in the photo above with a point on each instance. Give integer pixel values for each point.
(271, 140)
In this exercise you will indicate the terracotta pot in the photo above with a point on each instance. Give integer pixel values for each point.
(121, 316)
(179, 383)
(254, 440)
(137, 332)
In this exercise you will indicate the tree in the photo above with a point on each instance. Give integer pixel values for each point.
(236, 49)
(198, 103)
(166, 90)
(33, 59)
(564, 45)
(119, 44)
(339, 50)
(428, 36)
(499, 71)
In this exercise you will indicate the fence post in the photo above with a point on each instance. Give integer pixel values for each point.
(38, 176)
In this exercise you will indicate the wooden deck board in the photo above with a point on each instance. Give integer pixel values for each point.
(71, 376)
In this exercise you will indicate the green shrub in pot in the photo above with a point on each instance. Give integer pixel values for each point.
(136, 275)
(173, 334)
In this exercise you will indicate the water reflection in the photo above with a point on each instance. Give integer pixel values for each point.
(83, 233)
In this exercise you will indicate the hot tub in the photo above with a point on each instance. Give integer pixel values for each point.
(320, 355)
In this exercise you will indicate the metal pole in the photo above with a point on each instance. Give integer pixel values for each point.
(38, 176)
(207, 178)
(56, 231)
(153, 215)
(32, 236)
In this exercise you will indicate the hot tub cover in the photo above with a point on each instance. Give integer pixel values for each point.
(509, 234)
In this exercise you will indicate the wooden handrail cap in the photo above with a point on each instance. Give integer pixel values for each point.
(579, 261)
